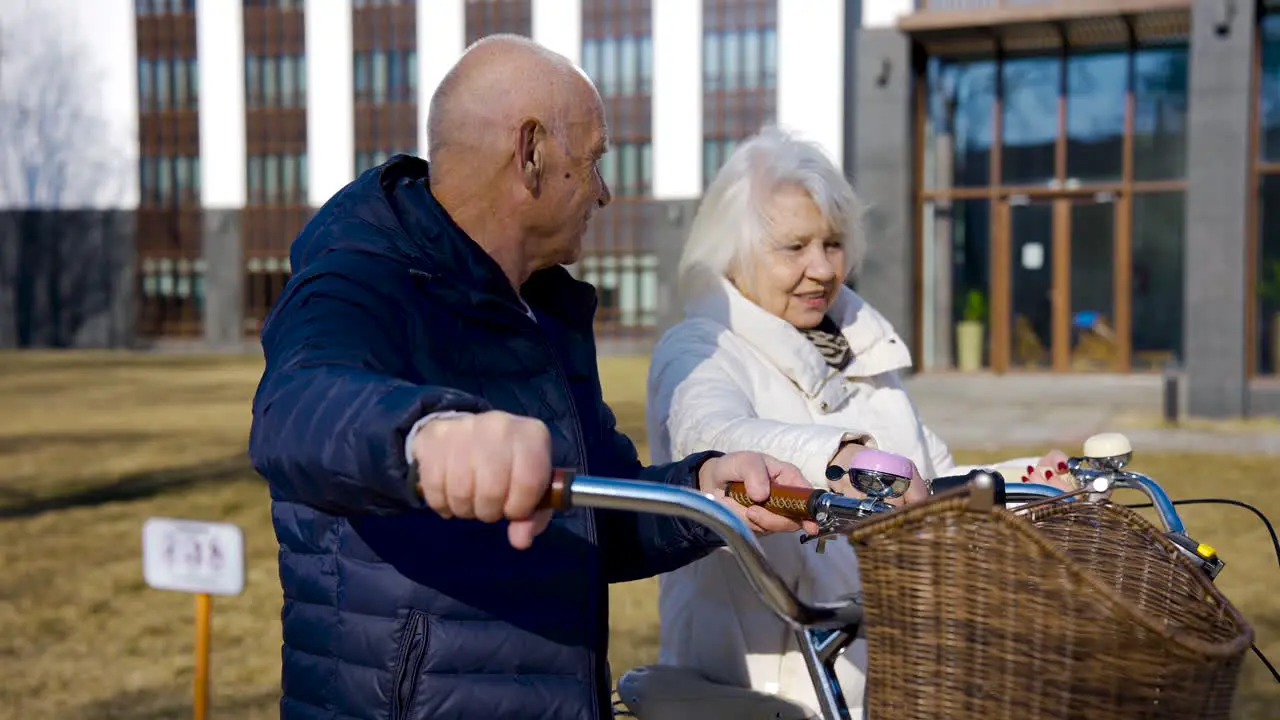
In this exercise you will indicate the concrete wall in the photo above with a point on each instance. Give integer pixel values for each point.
(67, 279)
(1216, 209)
(882, 173)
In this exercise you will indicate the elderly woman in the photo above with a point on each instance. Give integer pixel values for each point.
(777, 355)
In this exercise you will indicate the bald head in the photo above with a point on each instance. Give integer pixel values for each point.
(499, 82)
(515, 133)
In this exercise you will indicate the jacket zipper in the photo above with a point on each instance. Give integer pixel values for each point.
(563, 378)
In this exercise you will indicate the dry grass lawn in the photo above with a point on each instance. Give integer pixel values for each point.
(93, 444)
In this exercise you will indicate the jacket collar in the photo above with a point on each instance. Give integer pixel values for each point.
(444, 253)
(876, 347)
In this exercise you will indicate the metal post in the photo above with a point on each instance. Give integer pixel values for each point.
(1171, 379)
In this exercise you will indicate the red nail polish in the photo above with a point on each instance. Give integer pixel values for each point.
(1048, 474)
(1024, 478)
(1062, 467)
(1030, 469)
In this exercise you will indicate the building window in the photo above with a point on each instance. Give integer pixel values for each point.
(277, 179)
(168, 84)
(1267, 274)
(490, 17)
(278, 81)
(386, 76)
(144, 8)
(167, 180)
(366, 159)
(619, 66)
(739, 75)
(1059, 187)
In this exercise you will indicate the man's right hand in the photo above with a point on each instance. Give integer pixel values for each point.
(488, 466)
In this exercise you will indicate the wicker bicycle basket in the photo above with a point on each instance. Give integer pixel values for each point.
(1068, 610)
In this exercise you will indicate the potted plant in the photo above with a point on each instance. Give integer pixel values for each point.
(1269, 294)
(970, 332)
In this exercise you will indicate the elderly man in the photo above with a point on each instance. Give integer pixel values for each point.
(426, 368)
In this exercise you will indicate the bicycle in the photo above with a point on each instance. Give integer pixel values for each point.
(825, 630)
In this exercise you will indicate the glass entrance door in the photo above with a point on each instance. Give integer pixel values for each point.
(1058, 273)
(1030, 317)
(1094, 339)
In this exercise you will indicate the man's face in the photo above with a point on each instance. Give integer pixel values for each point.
(573, 188)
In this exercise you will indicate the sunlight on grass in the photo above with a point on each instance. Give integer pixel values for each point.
(91, 445)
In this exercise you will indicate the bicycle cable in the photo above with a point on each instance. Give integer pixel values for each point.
(1275, 543)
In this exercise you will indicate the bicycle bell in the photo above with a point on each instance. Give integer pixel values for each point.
(1108, 451)
(878, 474)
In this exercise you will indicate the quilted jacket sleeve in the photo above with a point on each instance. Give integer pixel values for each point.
(699, 396)
(333, 407)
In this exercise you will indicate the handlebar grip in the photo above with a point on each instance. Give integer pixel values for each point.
(793, 503)
(559, 495)
(951, 482)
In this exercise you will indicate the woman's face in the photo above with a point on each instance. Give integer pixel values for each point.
(802, 266)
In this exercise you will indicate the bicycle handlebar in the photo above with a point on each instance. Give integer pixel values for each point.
(569, 490)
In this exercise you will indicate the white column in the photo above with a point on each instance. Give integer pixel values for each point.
(811, 72)
(108, 30)
(442, 34)
(557, 25)
(884, 13)
(220, 44)
(677, 99)
(331, 141)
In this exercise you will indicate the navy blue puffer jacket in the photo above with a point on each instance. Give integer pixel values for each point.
(391, 612)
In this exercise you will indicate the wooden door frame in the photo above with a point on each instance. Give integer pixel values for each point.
(1001, 274)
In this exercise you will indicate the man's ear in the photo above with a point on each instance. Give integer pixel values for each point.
(531, 155)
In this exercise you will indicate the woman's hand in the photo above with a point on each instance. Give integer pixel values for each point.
(1051, 470)
(915, 493)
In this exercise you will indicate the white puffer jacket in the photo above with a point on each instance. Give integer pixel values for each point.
(733, 377)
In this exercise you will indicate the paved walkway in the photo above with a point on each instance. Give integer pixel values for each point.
(987, 411)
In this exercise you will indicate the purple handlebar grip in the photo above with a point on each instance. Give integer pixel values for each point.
(884, 462)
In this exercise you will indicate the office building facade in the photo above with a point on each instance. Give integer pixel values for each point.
(1054, 185)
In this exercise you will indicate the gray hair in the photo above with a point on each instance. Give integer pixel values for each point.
(731, 229)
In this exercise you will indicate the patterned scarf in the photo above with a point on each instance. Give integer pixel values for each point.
(831, 343)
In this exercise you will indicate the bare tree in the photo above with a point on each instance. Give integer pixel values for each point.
(61, 169)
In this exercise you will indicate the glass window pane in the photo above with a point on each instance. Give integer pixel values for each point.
(959, 245)
(1268, 288)
(646, 168)
(1093, 344)
(162, 84)
(145, 81)
(591, 58)
(646, 64)
(193, 72)
(412, 62)
(711, 73)
(300, 67)
(630, 64)
(380, 77)
(1030, 119)
(609, 67)
(960, 124)
(1269, 102)
(1096, 85)
(287, 76)
(630, 168)
(1160, 114)
(271, 173)
(733, 60)
(289, 179)
(1158, 222)
(252, 79)
(751, 72)
(769, 53)
(270, 81)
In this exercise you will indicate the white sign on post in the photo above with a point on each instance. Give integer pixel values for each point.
(193, 556)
